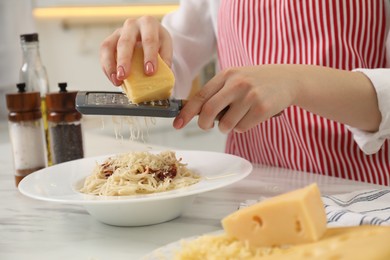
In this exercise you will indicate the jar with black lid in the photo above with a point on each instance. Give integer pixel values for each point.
(64, 123)
(26, 132)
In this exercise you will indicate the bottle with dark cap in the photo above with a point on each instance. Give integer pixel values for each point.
(34, 74)
(65, 133)
(26, 132)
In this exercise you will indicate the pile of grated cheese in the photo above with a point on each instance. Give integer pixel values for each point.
(215, 247)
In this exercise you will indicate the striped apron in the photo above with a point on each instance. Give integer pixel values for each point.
(343, 34)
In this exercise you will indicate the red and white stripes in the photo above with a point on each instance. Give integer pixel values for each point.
(343, 34)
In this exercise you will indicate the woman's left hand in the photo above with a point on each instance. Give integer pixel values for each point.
(241, 98)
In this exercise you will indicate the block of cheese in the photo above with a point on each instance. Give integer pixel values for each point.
(357, 243)
(288, 219)
(140, 87)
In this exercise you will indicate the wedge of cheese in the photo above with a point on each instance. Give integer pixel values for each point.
(140, 87)
(288, 219)
(344, 243)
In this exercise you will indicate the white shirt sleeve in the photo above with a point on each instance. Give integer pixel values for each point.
(193, 30)
(368, 142)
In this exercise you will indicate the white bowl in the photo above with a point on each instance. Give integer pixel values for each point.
(61, 183)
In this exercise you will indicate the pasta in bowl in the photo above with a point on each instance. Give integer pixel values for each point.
(200, 171)
(139, 173)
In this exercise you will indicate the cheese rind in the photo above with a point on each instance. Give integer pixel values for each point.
(291, 218)
(140, 87)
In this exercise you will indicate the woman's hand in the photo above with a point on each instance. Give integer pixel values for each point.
(116, 50)
(242, 97)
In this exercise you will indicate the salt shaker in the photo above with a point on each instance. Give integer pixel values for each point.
(26, 132)
(64, 124)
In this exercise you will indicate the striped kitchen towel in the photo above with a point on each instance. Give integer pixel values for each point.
(366, 207)
(358, 208)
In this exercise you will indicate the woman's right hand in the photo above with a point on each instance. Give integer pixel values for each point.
(116, 50)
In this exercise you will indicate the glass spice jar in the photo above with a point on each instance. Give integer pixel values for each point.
(26, 132)
(64, 124)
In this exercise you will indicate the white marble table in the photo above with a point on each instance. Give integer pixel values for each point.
(32, 229)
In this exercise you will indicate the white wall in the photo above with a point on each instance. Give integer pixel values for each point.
(72, 54)
(50, 3)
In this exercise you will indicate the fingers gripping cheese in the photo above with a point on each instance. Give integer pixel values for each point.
(140, 87)
(291, 218)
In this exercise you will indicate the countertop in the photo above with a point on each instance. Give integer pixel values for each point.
(32, 229)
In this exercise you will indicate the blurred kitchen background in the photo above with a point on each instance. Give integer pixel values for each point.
(70, 34)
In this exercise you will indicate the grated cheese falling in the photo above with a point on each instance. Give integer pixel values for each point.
(136, 128)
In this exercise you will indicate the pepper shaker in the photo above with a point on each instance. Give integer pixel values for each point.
(26, 132)
(64, 124)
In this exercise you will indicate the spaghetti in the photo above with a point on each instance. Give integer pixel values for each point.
(139, 173)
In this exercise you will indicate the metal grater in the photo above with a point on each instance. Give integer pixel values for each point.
(117, 103)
